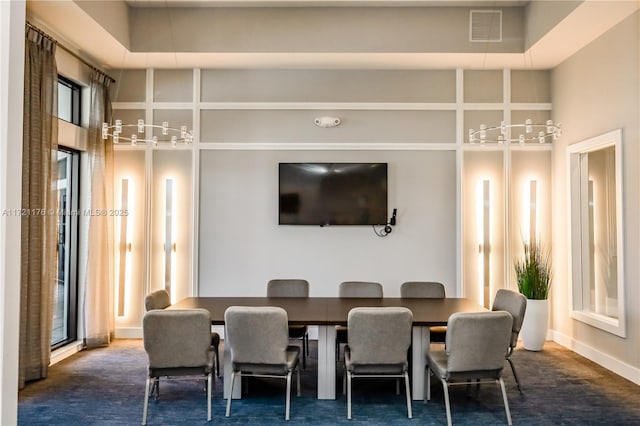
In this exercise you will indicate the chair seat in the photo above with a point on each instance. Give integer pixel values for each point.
(438, 363)
(355, 368)
(180, 371)
(292, 362)
(373, 368)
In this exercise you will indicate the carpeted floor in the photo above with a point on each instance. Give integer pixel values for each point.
(106, 387)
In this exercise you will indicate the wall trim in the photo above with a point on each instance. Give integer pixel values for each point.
(250, 146)
(128, 333)
(615, 365)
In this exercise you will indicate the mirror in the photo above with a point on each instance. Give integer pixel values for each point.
(596, 232)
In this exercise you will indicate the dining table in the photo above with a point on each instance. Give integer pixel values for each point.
(326, 313)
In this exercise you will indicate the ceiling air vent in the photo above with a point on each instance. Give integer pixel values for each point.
(485, 25)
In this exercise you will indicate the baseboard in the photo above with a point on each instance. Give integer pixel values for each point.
(621, 368)
(65, 352)
(128, 333)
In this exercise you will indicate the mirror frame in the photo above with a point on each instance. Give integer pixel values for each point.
(580, 309)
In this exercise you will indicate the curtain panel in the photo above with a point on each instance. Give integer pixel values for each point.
(98, 303)
(39, 198)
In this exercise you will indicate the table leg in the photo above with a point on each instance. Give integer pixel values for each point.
(420, 347)
(326, 362)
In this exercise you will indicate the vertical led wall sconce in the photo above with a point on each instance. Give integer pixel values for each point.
(483, 216)
(530, 219)
(169, 237)
(125, 244)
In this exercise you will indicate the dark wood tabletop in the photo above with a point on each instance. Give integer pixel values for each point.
(334, 310)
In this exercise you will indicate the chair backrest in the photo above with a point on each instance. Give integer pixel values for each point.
(257, 334)
(159, 299)
(177, 337)
(364, 289)
(514, 303)
(288, 288)
(423, 289)
(379, 335)
(478, 341)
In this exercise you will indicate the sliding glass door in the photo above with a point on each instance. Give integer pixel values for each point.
(65, 294)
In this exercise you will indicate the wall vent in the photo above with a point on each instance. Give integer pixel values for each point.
(485, 25)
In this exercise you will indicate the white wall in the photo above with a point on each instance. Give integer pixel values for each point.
(242, 246)
(12, 18)
(247, 121)
(595, 91)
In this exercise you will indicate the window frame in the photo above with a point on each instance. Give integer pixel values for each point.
(76, 100)
(580, 299)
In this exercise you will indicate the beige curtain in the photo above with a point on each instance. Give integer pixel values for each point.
(39, 198)
(98, 284)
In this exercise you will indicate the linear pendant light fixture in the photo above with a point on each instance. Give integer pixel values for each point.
(540, 133)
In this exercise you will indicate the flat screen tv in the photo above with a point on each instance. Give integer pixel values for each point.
(332, 194)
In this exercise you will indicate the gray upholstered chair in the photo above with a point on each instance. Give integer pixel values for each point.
(474, 352)
(160, 299)
(379, 339)
(293, 288)
(429, 290)
(178, 343)
(258, 339)
(355, 289)
(516, 304)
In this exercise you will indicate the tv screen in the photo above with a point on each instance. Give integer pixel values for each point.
(333, 194)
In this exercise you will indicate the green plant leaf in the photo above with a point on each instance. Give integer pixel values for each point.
(533, 271)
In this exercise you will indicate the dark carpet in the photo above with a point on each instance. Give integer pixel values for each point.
(106, 387)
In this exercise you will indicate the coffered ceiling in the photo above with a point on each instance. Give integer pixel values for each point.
(331, 34)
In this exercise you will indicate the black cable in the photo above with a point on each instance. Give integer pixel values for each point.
(383, 232)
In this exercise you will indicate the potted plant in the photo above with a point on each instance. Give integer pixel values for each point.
(533, 274)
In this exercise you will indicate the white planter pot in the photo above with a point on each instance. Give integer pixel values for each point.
(535, 325)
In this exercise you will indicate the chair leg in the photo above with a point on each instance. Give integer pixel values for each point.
(217, 360)
(344, 381)
(155, 390)
(506, 402)
(306, 339)
(348, 395)
(445, 387)
(408, 393)
(298, 384)
(288, 398)
(427, 383)
(209, 380)
(233, 379)
(146, 401)
(515, 375)
(304, 355)
(397, 386)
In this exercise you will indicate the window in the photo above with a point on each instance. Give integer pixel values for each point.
(68, 101)
(65, 295)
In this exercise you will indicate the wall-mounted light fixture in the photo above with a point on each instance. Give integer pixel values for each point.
(124, 248)
(530, 211)
(169, 237)
(483, 217)
(327, 121)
